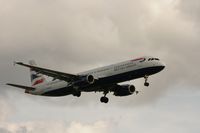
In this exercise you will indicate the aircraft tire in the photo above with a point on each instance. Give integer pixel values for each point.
(146, 84)
(104, 99)
(77, 94)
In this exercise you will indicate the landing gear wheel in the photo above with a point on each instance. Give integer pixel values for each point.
(77, 94)
(146, 84)
(104, 99)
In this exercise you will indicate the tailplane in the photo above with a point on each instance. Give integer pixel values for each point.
(36, 78)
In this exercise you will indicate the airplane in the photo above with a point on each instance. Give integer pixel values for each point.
(104, 79)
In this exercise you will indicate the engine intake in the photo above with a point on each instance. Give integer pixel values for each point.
(84, 81)
(124, 90)
(90, 79)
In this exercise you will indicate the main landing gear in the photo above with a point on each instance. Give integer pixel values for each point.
(146, 83)
(104, 99)
(77, 94)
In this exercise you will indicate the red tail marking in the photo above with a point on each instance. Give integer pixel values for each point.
(38, 81)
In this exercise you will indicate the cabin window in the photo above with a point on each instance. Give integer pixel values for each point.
(150, 59)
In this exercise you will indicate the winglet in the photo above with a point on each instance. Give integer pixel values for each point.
(19, 63)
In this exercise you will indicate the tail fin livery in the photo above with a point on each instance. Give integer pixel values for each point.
(36, 78)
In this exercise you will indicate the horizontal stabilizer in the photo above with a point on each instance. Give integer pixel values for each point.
(22, 87)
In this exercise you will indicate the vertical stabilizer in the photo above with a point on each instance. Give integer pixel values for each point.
(36, 78)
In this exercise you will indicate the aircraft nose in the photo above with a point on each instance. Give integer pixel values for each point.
(162, 65)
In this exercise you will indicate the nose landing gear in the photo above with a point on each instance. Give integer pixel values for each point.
(146, 83)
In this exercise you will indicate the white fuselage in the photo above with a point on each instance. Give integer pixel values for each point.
(103, 72)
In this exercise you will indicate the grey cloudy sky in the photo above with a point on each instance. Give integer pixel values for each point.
(76, 35)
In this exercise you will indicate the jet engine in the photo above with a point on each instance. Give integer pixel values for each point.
(84, 81)
(124, 90)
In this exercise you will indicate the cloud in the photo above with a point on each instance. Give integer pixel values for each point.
(99, 127)
(73, 36)
(49, 126)
(5, 109)
(190, 9)
(174, 112)
(4, 130)
(58, 127)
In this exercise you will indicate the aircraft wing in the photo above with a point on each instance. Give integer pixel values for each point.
(22, 87)
(52, 73)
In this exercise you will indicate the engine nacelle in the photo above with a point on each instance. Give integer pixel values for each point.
(124, 90)
(84, 81)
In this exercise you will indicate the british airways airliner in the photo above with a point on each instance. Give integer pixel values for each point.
(103, 79)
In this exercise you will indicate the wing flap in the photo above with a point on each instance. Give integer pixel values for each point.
(22, 87)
